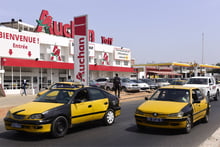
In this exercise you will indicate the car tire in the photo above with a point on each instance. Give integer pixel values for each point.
(217, 96)
(189, 123)
(59, 127)
(109, 117)
(124, 89)
(206, 118)
(108, 88)
(208, 97)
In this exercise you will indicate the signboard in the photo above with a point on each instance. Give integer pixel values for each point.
(122, 54)
(81, 55)
(48, 25)
(91, 49)
(19, 44)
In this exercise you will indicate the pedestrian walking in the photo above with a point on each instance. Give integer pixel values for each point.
(69, 79)
(24, 83)
(117, 85)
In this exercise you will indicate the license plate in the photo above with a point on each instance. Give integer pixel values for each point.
(16, 125)
(154, 119)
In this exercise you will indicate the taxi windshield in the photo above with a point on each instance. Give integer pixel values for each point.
(176, 95)
(56, 96)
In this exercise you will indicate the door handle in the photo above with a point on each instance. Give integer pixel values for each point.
(105, 103)
(89, 106)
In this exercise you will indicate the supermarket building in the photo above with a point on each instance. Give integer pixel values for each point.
(44, 56)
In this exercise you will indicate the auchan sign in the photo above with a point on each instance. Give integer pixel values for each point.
(58, 28)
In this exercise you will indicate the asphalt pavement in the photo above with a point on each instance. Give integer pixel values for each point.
(11, 101)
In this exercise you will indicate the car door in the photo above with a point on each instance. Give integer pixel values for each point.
(199, 104)
(81, 107)
(202, 105)
(196, 106)
(99, 102)
(212, 87)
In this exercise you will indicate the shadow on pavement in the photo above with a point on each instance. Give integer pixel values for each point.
(24, 136)
(154, 131)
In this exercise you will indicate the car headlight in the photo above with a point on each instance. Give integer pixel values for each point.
(8, 114)
(139, 112)
(179, 114)
(36, 116)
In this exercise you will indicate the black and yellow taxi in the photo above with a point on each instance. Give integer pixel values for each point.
(61, 108)
(173, 107)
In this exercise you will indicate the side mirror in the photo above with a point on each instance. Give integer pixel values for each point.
(146, 98)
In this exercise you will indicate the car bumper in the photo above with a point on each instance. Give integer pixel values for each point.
(165, 123)
(153, 87)
(27, 126)
(132, 89)
(144, 89)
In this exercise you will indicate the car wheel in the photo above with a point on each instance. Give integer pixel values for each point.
(59, 127)
(124, 89)
(188, 126)
(206, 118)
(108, 88)
(208, 97)
(217, 96)
(109, 117)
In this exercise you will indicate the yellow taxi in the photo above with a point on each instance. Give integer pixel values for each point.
(61, 85)
(173, 107)
(61, 108)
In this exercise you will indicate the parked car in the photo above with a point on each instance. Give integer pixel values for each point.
(102, 82)
(161, 82)
(61, 108)
(93, 83)
(142, 85)
(109, 84)
(128, 85)
(170, 80)
(173, 107)
(151, 83)
(178, 82)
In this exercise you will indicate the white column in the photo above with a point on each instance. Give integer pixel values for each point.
(12, 77)
(20, 78)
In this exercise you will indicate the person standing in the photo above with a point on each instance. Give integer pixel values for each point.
(69, 79)
(24, 83)
(117, 85)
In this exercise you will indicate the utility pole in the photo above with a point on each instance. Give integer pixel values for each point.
(202, 47)
(202, 53)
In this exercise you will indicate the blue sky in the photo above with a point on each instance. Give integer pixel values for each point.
(154, 30)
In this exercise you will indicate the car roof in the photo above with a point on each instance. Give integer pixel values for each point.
(75, 88)
(200, 77)
(71, 83)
